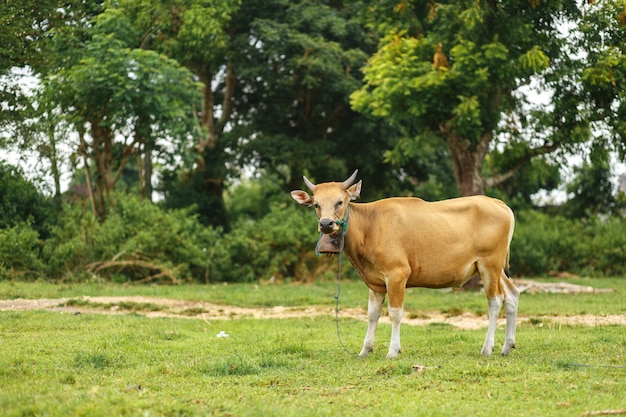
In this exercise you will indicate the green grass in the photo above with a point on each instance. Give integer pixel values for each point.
(55, 364)
(62, 364)
(353, 294)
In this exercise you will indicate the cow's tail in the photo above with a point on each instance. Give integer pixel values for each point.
(508, 248)
(506, 263)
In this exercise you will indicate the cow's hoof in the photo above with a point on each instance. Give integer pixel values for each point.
(508, 348)
(393, 353)
(365, 352)
(487, 351)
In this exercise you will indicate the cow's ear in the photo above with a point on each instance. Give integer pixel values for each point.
(302, 197)
(355, 191)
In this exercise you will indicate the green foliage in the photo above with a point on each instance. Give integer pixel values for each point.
(545, 243)
(534, 60)
(592, 189)
(123, 100)
(540, 244)
(137, 241)
(457, 70)
(19, 253)
(540, 173)
(192, 32)
(21, 202)
(297, 63)
(116, 83)
(271, 238)
(278, 78)
(253, 197)
(25, 42)
(280, 245)
(426, 165)
(202, 189)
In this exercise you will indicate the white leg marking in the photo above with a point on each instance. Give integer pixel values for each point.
(495, 304)
(511, 302)
(374, 307)
(395, 315)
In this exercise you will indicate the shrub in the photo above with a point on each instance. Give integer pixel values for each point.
(602, 249)
(141, 242)
(591, 246)
(280, 244)
(21, 202)
(19, 253)
(137, 241)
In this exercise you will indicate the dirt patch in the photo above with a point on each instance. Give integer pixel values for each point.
(534, 287)
(166, 307)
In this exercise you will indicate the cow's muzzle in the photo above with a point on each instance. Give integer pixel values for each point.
(327, 225)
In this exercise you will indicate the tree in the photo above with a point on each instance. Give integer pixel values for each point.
(588, 94)
(277, 76)
(122, 102)
(26, 28)
(453, 71)
(21, 27)
(31, 34)
(195, 33)
(297, 64)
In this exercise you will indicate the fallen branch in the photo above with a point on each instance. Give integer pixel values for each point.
(169, 273)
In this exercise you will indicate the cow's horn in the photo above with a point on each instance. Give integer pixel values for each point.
(309, 183)
(350, 180)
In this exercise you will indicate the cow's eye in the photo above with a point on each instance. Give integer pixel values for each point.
(339, 204)
(316, 206)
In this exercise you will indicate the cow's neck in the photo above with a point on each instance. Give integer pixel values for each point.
(354, 234)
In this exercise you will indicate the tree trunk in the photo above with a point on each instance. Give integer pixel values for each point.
(208, 177)
(54, 165)
(102, 145)
(467, 162)
(147, 171)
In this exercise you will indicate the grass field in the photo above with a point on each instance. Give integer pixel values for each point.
(54, 364)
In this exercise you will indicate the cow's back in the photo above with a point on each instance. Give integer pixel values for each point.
(438, 242)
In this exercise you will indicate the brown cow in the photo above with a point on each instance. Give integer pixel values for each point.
(397, 243)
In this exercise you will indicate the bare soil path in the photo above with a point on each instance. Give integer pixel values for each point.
(166, 307)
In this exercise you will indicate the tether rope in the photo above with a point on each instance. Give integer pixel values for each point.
(337, 298)
(344, 228)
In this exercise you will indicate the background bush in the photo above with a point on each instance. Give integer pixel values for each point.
(591, 246)
(271, 237)
(141, 241)
(280, 244)
(21, 202)
(20, 253)
(137, 241)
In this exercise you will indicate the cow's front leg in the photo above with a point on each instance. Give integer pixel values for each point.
(395, 289)
(374, 307)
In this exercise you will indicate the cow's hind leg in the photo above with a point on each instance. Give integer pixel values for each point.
(495, 305)
(395, 315)
(511, 301)
(374, 307)
(493, 290)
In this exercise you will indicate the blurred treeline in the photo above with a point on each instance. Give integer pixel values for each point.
(160, 139)
(270, 238)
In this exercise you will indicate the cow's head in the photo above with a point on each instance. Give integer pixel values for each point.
(330, 200)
